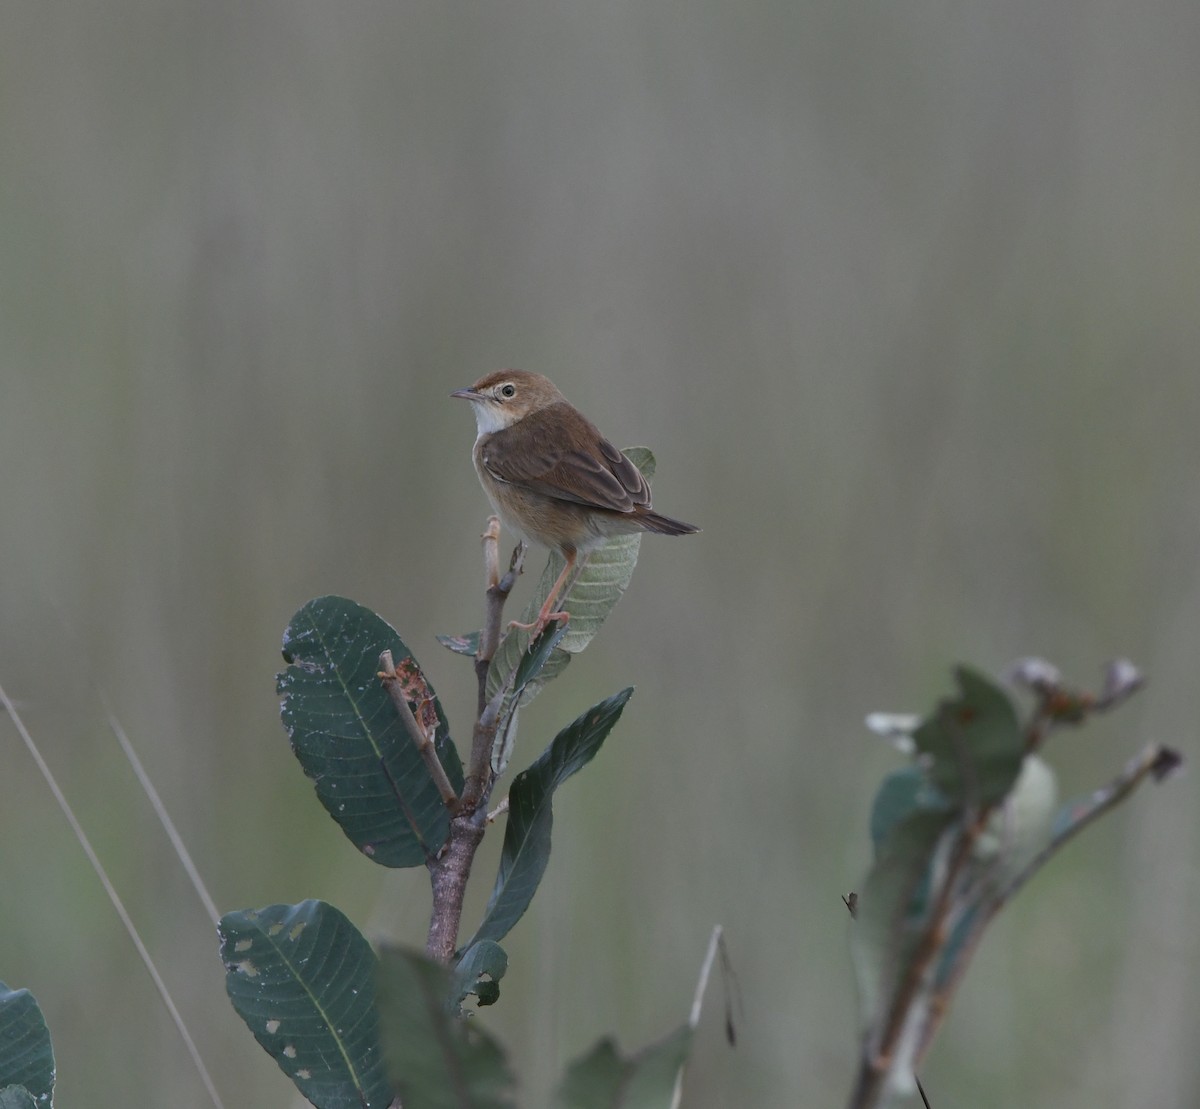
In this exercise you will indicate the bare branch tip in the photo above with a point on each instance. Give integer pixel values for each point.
(1122, 679)
(1035, 674)
(1166, 763)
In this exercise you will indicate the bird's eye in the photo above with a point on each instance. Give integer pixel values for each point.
(508, 391)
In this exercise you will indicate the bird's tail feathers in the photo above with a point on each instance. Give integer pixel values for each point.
(664, 525)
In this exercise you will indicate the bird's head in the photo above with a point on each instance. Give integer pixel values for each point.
(502, 398)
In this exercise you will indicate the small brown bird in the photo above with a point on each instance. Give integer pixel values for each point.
(551, 476)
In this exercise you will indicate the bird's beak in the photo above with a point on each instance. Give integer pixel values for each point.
(465, 394)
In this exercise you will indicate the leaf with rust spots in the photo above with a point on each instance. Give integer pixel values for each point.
(417, 693)
(975, 742)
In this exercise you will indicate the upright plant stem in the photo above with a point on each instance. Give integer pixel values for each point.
(448, 877)
(449, 872)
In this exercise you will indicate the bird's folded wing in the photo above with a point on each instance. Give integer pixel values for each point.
(601, 477)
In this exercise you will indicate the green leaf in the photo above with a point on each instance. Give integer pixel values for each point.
(647, 1080)
(467, 644)
(902, 793)
(530, 816)
(974, 740)
(303, 979)
(26, 1057)
(435, 1060)
(349, 739)
(892, 909)
(643, 458)
(532, 665)
(17, 1097)
(1016, 832)
(537, 655)
(1021, 827)
(594, 594)
(479, 972)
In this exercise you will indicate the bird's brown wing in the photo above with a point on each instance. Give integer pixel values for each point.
(558, 453)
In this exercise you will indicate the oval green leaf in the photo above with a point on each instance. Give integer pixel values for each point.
(349, 739)
(526, 848)
(303, 979)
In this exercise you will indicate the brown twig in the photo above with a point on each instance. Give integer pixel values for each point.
(478, 785)
(450, 870)
(420, 735)
(498, 589)
(877, 1059)
(1059, 704)
(1154, 761)
(491, 551)
(964, 912)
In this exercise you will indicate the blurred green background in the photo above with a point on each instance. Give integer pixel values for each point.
(906, 299)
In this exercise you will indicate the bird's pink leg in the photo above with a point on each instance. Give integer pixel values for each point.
(547, 612)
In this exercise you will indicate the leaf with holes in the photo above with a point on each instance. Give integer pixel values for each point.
(526, 848)
(26, 1057)
(349, 739)
(435, 1059)
(478, 971)
(303, 979)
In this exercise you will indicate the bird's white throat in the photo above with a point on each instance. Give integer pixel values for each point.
(489, 418)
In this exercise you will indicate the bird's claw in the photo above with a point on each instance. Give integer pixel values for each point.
(539, 625)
